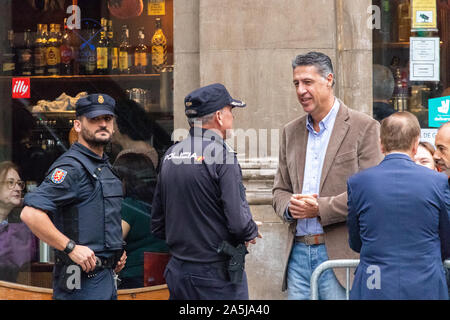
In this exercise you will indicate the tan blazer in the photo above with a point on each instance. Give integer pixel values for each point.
(353, 146)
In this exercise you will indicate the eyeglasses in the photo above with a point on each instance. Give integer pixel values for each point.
(11, 183)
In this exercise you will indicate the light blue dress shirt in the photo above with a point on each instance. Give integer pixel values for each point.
(315, 155)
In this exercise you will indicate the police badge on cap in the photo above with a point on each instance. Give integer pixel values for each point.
(95, 105)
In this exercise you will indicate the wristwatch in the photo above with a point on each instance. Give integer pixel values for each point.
(70, 246)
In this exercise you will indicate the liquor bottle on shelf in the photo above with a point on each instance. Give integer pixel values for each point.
(53, 56)
(58, 32)
(40, 45)
(386, 21)
(102, 49)
(404, 20)
(400, 96)
(25, 55)
(67, 51)
(88, 54)
(159, 48)
(9, 56)
(125, 56)
(141, 54)
(113, 51)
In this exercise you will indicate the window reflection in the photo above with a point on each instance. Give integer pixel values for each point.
(17, 243)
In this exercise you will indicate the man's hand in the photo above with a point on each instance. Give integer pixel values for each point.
(121, 263)
(84, 257)
(303, 206)
(253, 241)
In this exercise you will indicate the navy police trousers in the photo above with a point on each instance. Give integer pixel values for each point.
(202, 281)
(98, 287)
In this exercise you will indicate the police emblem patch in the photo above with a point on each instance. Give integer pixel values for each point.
(58, 176)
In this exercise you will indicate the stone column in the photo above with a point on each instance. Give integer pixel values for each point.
(354, 54)
(186, 55)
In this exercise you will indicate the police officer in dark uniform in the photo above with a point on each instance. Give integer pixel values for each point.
(76, 209)
(199, 204)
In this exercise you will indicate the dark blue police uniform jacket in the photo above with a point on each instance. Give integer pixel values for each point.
(83, 197)
(200, 201)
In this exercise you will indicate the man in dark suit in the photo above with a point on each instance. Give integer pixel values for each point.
(398, 219)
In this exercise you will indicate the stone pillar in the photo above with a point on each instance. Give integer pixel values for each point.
(186, 55)
(354, 54)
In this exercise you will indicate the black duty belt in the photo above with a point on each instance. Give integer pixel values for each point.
(101, 262)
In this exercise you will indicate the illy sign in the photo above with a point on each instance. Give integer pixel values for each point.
(21, 88)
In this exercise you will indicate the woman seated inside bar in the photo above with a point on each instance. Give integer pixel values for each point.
(136, 168)
(424, 155)
(17, 244)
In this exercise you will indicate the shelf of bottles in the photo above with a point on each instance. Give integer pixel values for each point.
(94, 53)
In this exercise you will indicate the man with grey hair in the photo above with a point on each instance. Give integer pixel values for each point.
(318, 152)
(200, 202)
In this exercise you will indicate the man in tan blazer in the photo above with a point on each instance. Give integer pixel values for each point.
(318, 153)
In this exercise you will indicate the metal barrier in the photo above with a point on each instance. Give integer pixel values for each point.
(340, 263)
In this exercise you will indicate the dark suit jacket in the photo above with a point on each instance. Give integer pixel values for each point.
(398, 219)
(353, 146)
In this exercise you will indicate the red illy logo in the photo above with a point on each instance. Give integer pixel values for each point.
(21, 88)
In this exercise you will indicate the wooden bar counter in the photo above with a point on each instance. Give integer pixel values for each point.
(14, 291)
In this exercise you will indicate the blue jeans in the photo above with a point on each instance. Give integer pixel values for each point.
(303, 260)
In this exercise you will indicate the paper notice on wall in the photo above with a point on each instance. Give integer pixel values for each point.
(424, 59)
(156, 7)
(428, 135)
(424, 15)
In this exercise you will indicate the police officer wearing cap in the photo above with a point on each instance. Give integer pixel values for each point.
(200, 202)
(76, 209)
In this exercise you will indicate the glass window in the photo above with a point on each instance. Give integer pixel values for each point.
(53, 53)
(411, 38)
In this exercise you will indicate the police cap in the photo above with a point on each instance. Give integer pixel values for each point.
(209, 99)
(95, 105)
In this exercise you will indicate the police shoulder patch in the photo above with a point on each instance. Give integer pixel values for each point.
(58, 176)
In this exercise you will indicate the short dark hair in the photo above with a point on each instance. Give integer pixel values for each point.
(133, 121)
(138, 174)
(318, 59)
(399, 131)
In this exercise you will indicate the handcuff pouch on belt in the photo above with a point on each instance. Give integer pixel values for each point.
(236, 263)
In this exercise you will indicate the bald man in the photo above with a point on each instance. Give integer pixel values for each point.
(442, 154)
